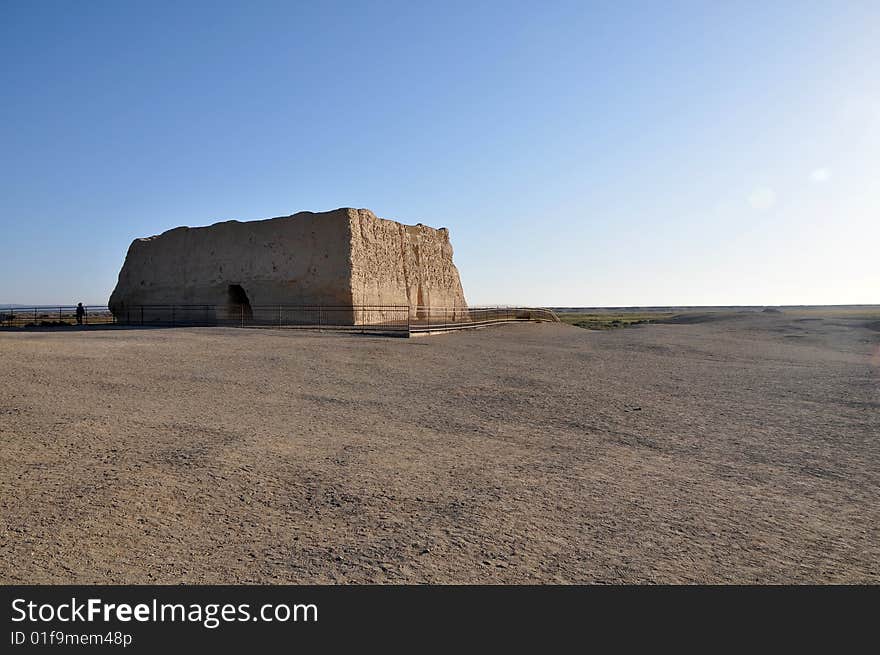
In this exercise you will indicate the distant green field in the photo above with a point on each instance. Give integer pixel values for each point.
(611, 320)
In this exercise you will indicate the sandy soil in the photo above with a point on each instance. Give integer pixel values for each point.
(745, 449)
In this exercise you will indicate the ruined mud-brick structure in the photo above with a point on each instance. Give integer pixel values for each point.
(346, 259)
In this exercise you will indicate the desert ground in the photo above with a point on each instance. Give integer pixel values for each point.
(710, 448)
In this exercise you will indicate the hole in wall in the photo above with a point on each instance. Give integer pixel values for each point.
(238, 302)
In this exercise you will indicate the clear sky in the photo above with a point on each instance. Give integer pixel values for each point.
(595, 154)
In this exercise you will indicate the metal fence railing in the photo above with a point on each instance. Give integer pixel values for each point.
(390, 319)
(54, 316)
(363, 318)
(441, 319)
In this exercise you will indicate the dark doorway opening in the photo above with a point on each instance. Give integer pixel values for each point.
(238, 304)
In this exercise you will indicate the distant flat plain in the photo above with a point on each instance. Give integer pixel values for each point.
(709, 446)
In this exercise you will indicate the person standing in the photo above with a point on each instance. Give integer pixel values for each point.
(80, 312)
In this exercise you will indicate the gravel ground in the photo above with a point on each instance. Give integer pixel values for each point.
(745, 449)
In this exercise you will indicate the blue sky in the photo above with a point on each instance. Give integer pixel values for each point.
(596, 154)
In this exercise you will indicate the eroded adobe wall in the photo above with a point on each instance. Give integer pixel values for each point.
(345, 257)
(396, 264)
(302, 259)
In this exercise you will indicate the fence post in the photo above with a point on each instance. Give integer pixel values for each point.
(142, 315)
(172, 315)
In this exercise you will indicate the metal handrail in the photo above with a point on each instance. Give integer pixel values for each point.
(364, 318)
